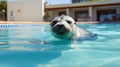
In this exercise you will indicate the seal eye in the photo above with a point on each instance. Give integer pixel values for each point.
(69, 22)
(54, 22)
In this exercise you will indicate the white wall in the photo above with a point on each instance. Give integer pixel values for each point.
(26, 10)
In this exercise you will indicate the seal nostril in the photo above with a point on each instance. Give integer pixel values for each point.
(60, 26)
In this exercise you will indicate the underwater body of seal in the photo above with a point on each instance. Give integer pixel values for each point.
(32, 45)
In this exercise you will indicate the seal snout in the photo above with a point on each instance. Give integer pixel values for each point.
(60, 29)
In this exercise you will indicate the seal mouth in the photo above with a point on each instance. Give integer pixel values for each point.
(60, 31)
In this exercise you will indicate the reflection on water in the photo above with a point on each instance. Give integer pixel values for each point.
(4, 37)
(27, 38)
(34, 46)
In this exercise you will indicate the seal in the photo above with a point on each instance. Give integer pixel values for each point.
(64, 27)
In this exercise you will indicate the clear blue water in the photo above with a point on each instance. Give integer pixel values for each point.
(34, 46)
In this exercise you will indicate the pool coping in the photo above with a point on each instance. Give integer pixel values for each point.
(22, 22)
(30, 22)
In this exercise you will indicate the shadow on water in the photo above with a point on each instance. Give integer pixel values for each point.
(31, 58)
(26, 58)
(31, 54)
(25, 54)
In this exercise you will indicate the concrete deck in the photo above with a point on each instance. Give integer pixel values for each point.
(22, 22)
(19, 22)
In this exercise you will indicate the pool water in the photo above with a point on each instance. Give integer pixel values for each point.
(34, 46)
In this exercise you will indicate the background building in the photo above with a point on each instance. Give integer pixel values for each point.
(25, 10)
(103, 11)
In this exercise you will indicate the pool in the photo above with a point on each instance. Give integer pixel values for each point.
(32, 45)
